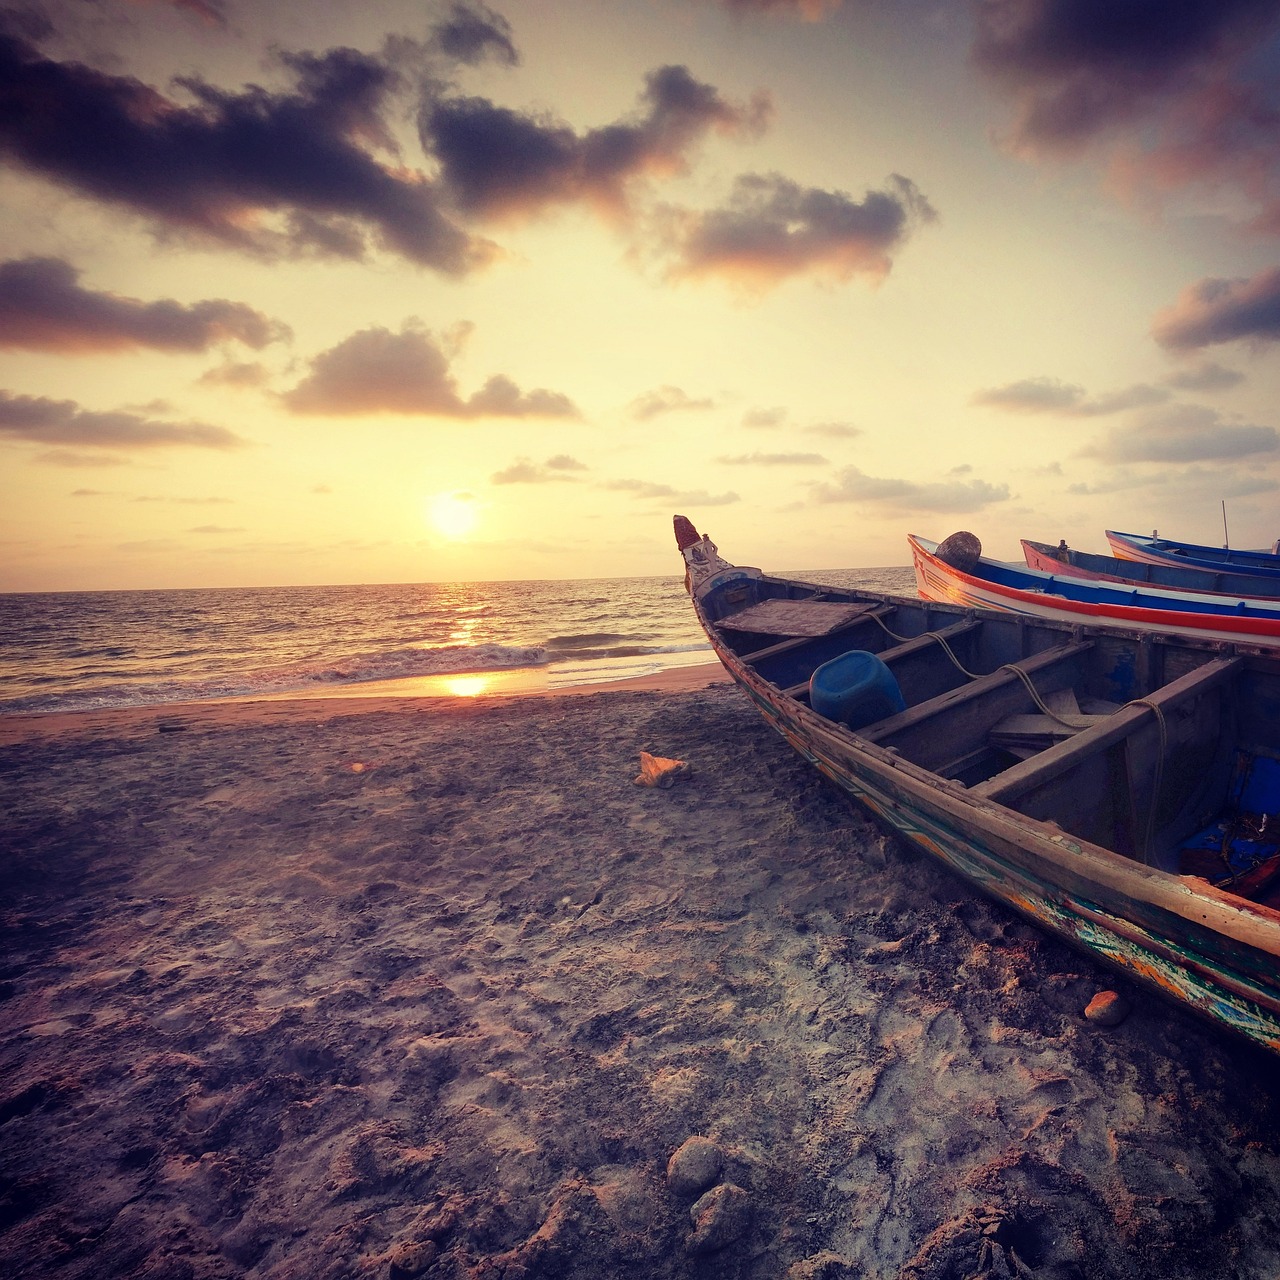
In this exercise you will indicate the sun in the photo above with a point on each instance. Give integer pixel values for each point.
(455, 515)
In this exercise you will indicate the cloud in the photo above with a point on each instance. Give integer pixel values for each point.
(1214, 311)
(774, 460)
(273, 174)
(1048, 395)
(377, 371)
(525, 471)
(63, 422)
(232, 373)
(808, 10)
(1205, 377)
(772, 229)
(1182, 433)
(764, 418)
(665, 492)
(216, 528)
(1177, 92)
(955, 496)
(666, 399)
(835, 430)
(496, 162)
(70, 458)
(44, 308)
(472, 32)
(1194, 484)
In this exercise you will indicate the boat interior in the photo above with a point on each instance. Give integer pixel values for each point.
(1165, 750)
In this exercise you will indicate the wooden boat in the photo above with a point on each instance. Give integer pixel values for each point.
(1167, 577)
(998, 584)
(1154, 550)
(1120, 788)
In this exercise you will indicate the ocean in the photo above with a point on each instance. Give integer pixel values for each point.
(98, 649)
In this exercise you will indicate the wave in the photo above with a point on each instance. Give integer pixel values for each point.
(90, 694)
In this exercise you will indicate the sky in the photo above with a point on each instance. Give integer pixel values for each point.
(318, 292)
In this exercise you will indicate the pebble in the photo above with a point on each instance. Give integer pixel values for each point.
(412, 1257)
(720, 1217)
(1107, 1009)
(694, 1166)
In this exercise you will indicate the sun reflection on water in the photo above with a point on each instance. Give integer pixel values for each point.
(467, 686)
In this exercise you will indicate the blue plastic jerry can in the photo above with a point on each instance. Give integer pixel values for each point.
(856, 689)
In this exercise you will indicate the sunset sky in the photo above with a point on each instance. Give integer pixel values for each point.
(323, 292)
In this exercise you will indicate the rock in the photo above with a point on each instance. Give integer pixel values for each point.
(694, 1167)
(1107, 1009)
(821, 1266)
(720, 1217)
(961, 551)
(411, 1257)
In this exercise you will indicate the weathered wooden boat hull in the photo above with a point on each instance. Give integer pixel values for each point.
(1153, 550)
(1225, 581)
(1214, 952)
(1069, 599)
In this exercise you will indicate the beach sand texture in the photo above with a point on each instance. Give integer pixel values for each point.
(419, 987)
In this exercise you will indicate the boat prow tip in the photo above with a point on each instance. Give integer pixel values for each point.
(686, 534)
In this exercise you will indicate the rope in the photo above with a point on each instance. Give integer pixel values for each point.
(1071, 722)
(1158, 780)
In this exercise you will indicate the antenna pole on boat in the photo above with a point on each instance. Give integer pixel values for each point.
(1226, 541)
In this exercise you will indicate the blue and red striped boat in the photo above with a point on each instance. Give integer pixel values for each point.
(1014, 588)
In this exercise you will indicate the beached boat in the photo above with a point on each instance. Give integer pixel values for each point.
(1156, 550)
(1167, 577)
(998, 584)
(1120, 788)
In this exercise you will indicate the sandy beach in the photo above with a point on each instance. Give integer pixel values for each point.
(421, 986)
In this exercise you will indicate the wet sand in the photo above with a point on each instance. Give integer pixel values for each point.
(391, 987)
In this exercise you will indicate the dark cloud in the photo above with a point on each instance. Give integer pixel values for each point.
(1183, 433)
(1214, 311)
(62, 422)
(377, 371)
(772, 229)
(666, 399)
(955, 496)
(1181, 89)
(1205, 377)
(1048, 395)
(773, 460)
(268, 173)
(496, 162)
(44, 308)
(213, 13)
(472, 32)
(526, 471)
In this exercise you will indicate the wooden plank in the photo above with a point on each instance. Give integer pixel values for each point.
(1036, 731)
(1015, 781)
(914, 717)
(796, 617)
(798, 642)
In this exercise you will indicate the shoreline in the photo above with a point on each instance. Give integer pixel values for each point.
(418, 693)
